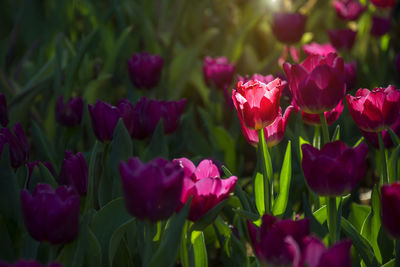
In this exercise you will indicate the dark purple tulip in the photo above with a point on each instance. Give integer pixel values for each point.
(148, 112)
(336, 169)
(204, 185)
(151, 190)
(315, 254)
(390, 209)
(51, 215)
(288, 28)
(342, 38)
(74, 172)
(383, 3)
(276, 242)
(29, 263)
(69, 114)
(380, 26)
(317, 84)
(348, 9)
(17, 144)
(218, 71)
(3, 111)
(319, 49)
(31, 167)
(127, 114)
(397, 63)
(104, 118)
(145, 69)
(350, 74)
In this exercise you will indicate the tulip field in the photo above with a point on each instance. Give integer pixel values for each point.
(166, 133)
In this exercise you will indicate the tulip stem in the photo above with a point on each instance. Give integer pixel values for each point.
(332, 219)
(267, 170)
(325, 131)
(382, 155)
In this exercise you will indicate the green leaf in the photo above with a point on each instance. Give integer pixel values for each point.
(392, 164)
(281, 201)
(168, 249)
(199, 249)
(94, 161)
(394, 136)
(238, 191)
(362, 246)
(106, 221)
(302, 142)
(41, 175)
(247, 214)
(259, 193)
(42, 144)
(116, 239)
(358, 214)
(121, 149)
(6, 245)
(93, 253)
(315, 226)
(390, 263)
(359, 141)
(158, 146)
(209, 217)
(336, 133)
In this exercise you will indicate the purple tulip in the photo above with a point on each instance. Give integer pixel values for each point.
(127, 114)
(104, 118)
(69, 114)
(17, 144)
(380, 26)
(315, 254)
(342, 38)
(390, 209)
(148, 112)
(350, 74)
(317, 84)
(51, 215)
(276, 242)
(29, 263)
(319, 49)
(218, 71)
(336, 169)
(74, 172)
(348, 9)
(151, 190)
(288, 28)
(31, 167)
(3, 111)
(204, 185)
(145, 69)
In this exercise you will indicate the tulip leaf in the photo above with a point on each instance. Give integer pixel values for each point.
(247, 215)
(121, 149)
(41, 175)
(358, 214)
(158, 146)
(209, 217)
(168, 249)
(358, 141)
(302, 142)
(315, 226)
(106, 221)
(336, 134)
(93, 253)
(390, 263)
(116, 239)
(199, 249)
(10, 205)
(93, 163)
(361, 244)
(395, 137)
(6, 245)
(42, 144)
(259, 192)
(392, 164)
(238, 190)
(281, 201)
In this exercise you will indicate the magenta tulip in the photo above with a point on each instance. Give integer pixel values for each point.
(204, 185)
(69, 114)
(319, 49)
(3, 111)
(348, 9)
(383, 3)
(376, 110)
(336, 169)
(218, 71)
(145, 69)
(342, 38)
(257, 103)
(380, 26)
(390, 209)
(288, 28)
(18, 145)
(317, 84)
(152, 190)
(51, 215)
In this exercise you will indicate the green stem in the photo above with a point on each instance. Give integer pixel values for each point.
(148, 243)
(267, 170)
(384, 174)
(332, 219)
(325, 131)
(317, 137)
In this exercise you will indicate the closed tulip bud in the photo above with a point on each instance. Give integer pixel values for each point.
(342, 38)
(331, 116)
(104, 118)
(3, 111)
(218, 71)
(127, 114)
(51, 215)
(317, 84)
(383, 3)
(336, 169)
(276, 241)
(288, 28)
(380, 26)
(69, 114)
(315, 254)
(204, 185)
(273, 133)
(151, 190)
(17, 144)
(145, 69)
(319, 49)
(257, 103)
(74, 172)
(376, 110)
(29, 263)
(390, 209)
(348, 9)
